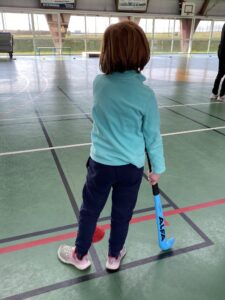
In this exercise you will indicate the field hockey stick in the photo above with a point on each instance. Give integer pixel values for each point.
(164, 244)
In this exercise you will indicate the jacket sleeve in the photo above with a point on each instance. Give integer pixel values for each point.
(153, 139)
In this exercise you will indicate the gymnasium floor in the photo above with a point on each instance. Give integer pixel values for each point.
(45, 123)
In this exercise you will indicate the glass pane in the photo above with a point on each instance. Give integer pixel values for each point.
(97, 24)
(101, 24)
(91, 24)
(177, 29)
(114, 20)
(178, 46)
(41, 27)
(16, 22)
(1, 25)
(217, 28)
(200, 46)
(162, 45)
(76, 45)
(216, 35)
(142, 24)
(164, 28)
(20, 26)
(146, 25)
(214, 46)
(75, 37)
(43, 39)
(76, 25)
(44, 45)
(203, 30)
(94, 45)
(163, 33)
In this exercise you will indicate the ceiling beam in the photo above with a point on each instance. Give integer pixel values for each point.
(204, 7)
(202, 12)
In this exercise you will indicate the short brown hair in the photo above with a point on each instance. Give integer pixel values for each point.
(125, 47)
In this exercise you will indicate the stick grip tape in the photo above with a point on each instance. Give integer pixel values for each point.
(155, 187)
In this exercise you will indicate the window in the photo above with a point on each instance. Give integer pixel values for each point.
(216, 35)
(163, 35)
(75, 37)
(40, 25)
(146, 25)
(20, 26)
(1, 21)
(76, 25)
(114, 20)
(217, 28)
(101, 24)
(17, 22)
(201, 36)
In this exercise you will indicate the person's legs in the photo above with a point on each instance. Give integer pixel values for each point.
(222, 90)
(95, 193)
(219, 76)
(124, 198)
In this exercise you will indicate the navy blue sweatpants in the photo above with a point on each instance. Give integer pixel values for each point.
(125, 182)
(221, 73)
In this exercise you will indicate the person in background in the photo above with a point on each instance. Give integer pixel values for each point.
(125, 122)
(216, 95)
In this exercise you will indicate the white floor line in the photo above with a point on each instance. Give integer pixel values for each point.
(89, 113)
(88, 144)
(191, 104)
(43, 149)
(193, 131)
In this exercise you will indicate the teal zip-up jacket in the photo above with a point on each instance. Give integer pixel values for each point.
(125, 122)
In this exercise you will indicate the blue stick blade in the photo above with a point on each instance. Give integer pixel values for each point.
(166, 244)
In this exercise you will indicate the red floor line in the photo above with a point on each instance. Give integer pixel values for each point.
(70, 235)
(194, 207)
(39, 242)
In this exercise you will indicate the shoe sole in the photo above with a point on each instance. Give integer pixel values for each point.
(114, 270)
(69, 263)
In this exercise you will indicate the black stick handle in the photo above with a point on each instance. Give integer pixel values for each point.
(155, 187)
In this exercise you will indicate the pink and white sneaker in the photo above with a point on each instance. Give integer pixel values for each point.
(67, 255)
(113, 263)
(221, 98)
(213, 97)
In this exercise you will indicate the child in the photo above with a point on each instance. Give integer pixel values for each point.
(125, 122)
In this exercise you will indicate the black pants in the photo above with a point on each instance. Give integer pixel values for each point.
(221, 73)
(125, 182)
